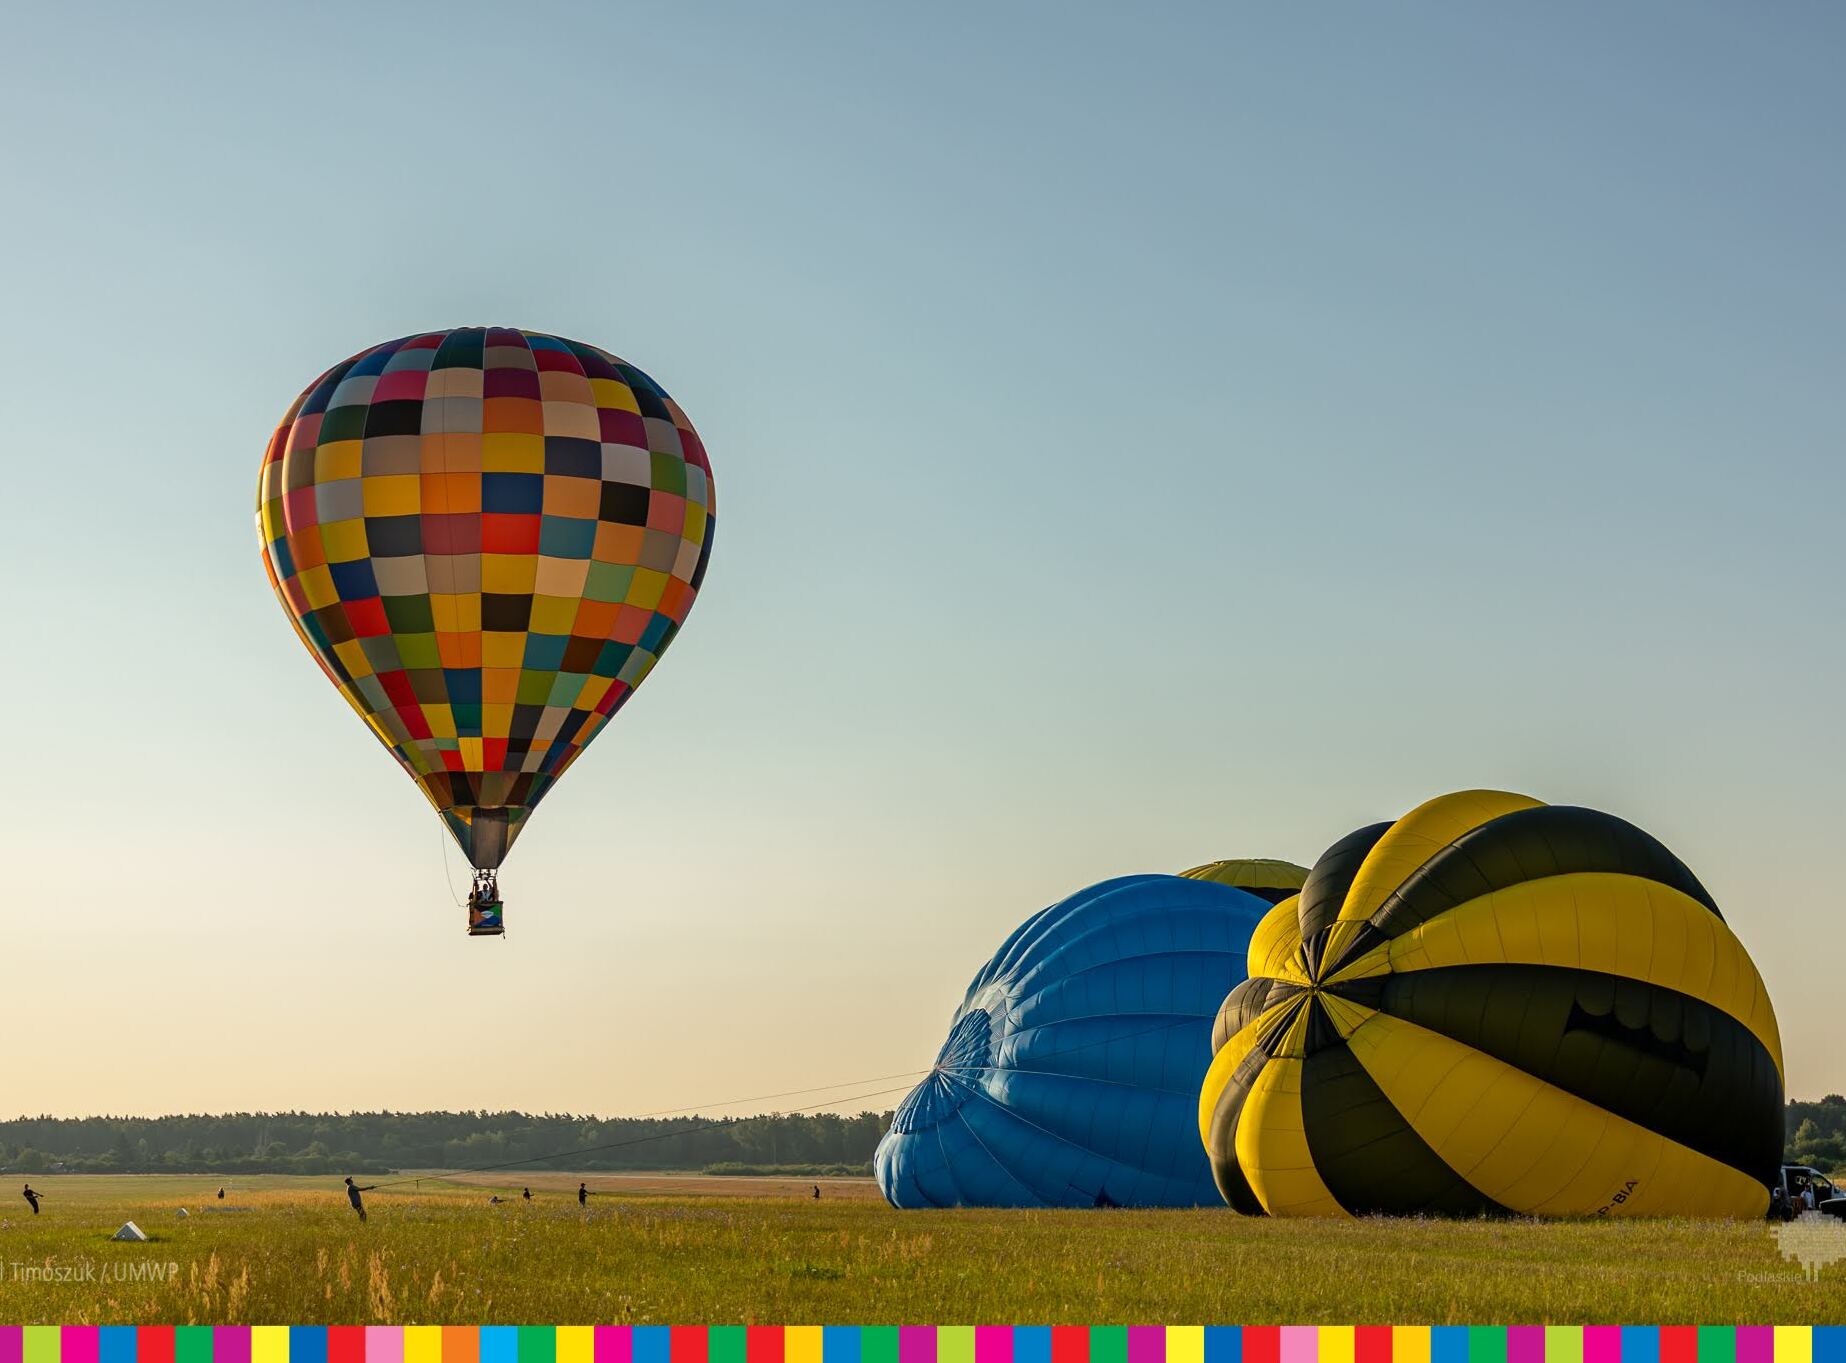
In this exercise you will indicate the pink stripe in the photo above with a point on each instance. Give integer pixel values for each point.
(916, 1344)
(384, 1344)
(614, 1344)
(1602, 1344)
(78, 1344)
(993, 1344)
(1300, 1344)
(12, 1344)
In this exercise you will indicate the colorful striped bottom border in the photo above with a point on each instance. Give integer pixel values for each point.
(922, 1344)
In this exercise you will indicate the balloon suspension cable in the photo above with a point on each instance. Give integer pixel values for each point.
(442, 835)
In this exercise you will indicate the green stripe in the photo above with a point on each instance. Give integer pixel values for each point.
(1487, 1344)
(878, 1344)
(192, 1344)
(41, 1344)
(1108, 1344)
(1717, 1344)
(955, 1344)
(726, 1344)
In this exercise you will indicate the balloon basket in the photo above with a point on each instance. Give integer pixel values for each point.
(484, 920)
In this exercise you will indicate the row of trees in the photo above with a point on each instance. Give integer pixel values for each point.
(1817, 1133)
(377, 1142)
(373, 1142)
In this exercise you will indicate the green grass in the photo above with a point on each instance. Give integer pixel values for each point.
(440, 1254)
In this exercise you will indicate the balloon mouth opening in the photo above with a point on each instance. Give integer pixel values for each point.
(965, 1059)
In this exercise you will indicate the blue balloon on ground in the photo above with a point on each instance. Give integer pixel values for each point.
(1071, 1073)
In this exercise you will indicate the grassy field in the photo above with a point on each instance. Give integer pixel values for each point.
(649, 1249)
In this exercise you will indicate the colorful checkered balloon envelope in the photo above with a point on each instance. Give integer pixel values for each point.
(487, 538)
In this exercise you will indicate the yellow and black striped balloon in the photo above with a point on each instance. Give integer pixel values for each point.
(1496, 1006)
(1264, 877)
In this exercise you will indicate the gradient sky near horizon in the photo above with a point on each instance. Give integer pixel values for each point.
(1142, 435)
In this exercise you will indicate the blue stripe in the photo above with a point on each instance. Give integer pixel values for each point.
(1223, 1344)
(499, 1344)
(653, 1344)
(1448, 1344)
(1640, 1344)
(307, 1344)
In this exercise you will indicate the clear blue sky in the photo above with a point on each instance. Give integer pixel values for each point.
(1143, 435)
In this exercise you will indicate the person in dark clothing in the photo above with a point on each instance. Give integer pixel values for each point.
(817, 1192)
(583, 1196)
(526, 1193)
(221, 1194)
(352, 1195)
(33, 1198)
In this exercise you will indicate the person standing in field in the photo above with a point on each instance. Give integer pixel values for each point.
(352, 1195)
(583, 1196)
(817, 1192)
(31, 1197)
(526, 1193)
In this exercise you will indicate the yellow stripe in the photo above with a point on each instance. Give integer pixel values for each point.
(269, 1344)
(1186, 1344)
(422, 1344)
(1794, 1344)
(1614, 924)
(1417, 837)
(1337, 1344)
(1345, 1015)
(1410, 1344)
(576, 1344)
(1248, 873)
(1224, 1064)
(1272, 1146)
(1275, 946)
(801, 1344)
(1535, 1148)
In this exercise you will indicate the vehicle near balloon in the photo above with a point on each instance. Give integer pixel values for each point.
(1801, 1187)
(1070, 1074)
(1494, 1005)
(487, 538)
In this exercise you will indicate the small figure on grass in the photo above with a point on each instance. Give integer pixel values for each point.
(352, 1195)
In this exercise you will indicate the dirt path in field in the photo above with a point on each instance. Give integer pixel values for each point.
(669, 1185)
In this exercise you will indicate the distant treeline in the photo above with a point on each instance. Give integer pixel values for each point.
(1816, 1133)
(379, 1142)
(734, 1170)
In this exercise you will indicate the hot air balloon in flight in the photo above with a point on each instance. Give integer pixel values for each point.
(487, 538)
(1071, 1071)
(1497, 1006)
